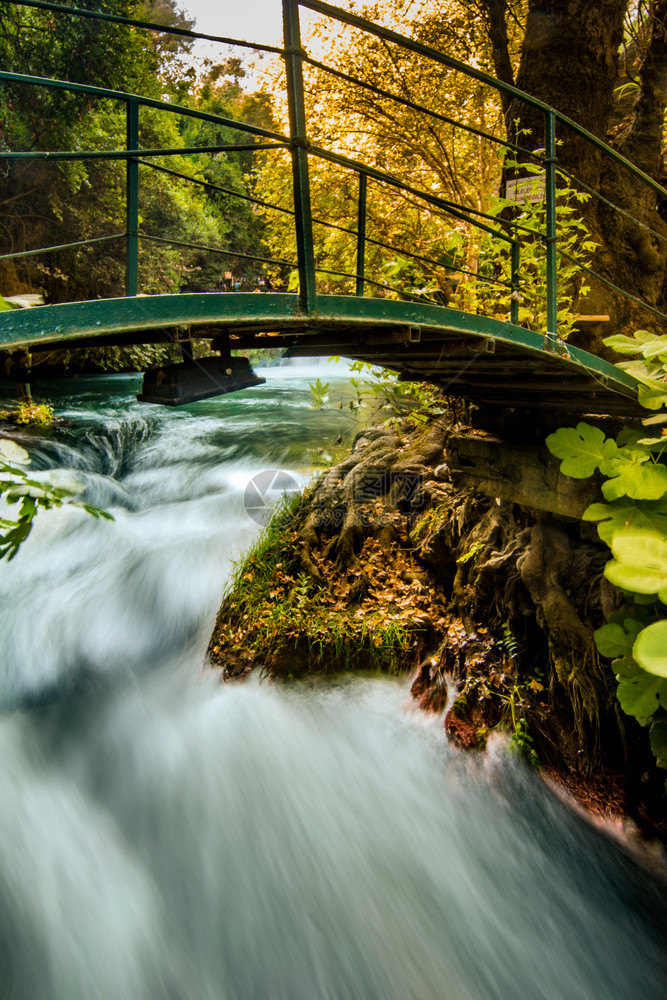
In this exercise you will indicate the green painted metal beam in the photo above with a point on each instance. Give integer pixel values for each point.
(148, 102)
(132, 203)
(351, 315)
(299, 151)
(361, 233)
(74, 320)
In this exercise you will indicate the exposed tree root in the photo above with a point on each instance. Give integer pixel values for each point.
(386, 565)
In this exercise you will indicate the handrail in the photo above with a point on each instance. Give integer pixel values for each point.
(132, 22)
(323, 222)
(147, 102)
(62, 246)
(131, 154)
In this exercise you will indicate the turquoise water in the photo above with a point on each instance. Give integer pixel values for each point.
(165, 837)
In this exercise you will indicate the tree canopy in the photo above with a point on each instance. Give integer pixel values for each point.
(56, 202)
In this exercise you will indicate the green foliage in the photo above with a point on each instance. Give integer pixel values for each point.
(650, 648)
(650, 367)
(639, 563)
(471, 554)
(430, 522)
(320, 394)
(492, 257)
(658, 737)
(627, 513)
(520, 741)
(29, 495)
(641, 694)
(615, 641)
(650, 346)
(633, 523)
(61, 202)
(581, 448)
(29, 413)
(629, 475)
(385, 390)
(626, 89)
(272, 607)
(508, 641)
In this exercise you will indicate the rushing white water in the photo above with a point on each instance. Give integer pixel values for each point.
(164, 837)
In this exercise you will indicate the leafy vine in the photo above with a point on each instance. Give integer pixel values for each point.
(633, 523)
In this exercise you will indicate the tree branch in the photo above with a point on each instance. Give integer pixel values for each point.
(495, 16)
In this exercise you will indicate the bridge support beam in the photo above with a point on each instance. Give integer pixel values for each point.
(519, 473)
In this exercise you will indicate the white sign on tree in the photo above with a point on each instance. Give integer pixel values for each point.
(525, 189)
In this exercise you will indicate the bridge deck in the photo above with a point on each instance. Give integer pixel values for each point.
(486, 360)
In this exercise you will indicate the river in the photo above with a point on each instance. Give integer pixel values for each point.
(167, 837)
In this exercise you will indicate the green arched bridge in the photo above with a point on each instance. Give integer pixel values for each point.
(478, 356)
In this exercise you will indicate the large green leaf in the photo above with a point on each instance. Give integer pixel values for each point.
(652, 395)
(626, 513)
(643, 369)
(581, 448)
(655, 348)
(654, 443)
(639, 563)
(630, 345)
(658, 735)
(624, 667)
(641, 694)
(614, 640)
(628, 437)
(650, 649)
(632, 473)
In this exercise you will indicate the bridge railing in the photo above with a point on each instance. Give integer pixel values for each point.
(555, 127)
(514, 236)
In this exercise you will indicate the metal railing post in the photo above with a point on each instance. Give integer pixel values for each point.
(551, 227)
(132, 203)
(299, 149)
(514, 281)
(361, 233)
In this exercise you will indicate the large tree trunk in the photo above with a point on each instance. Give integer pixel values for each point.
(570, 61)
(640, 258)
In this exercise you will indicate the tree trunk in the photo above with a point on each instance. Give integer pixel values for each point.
(640, 259)
(569, 60)
(495, 16)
